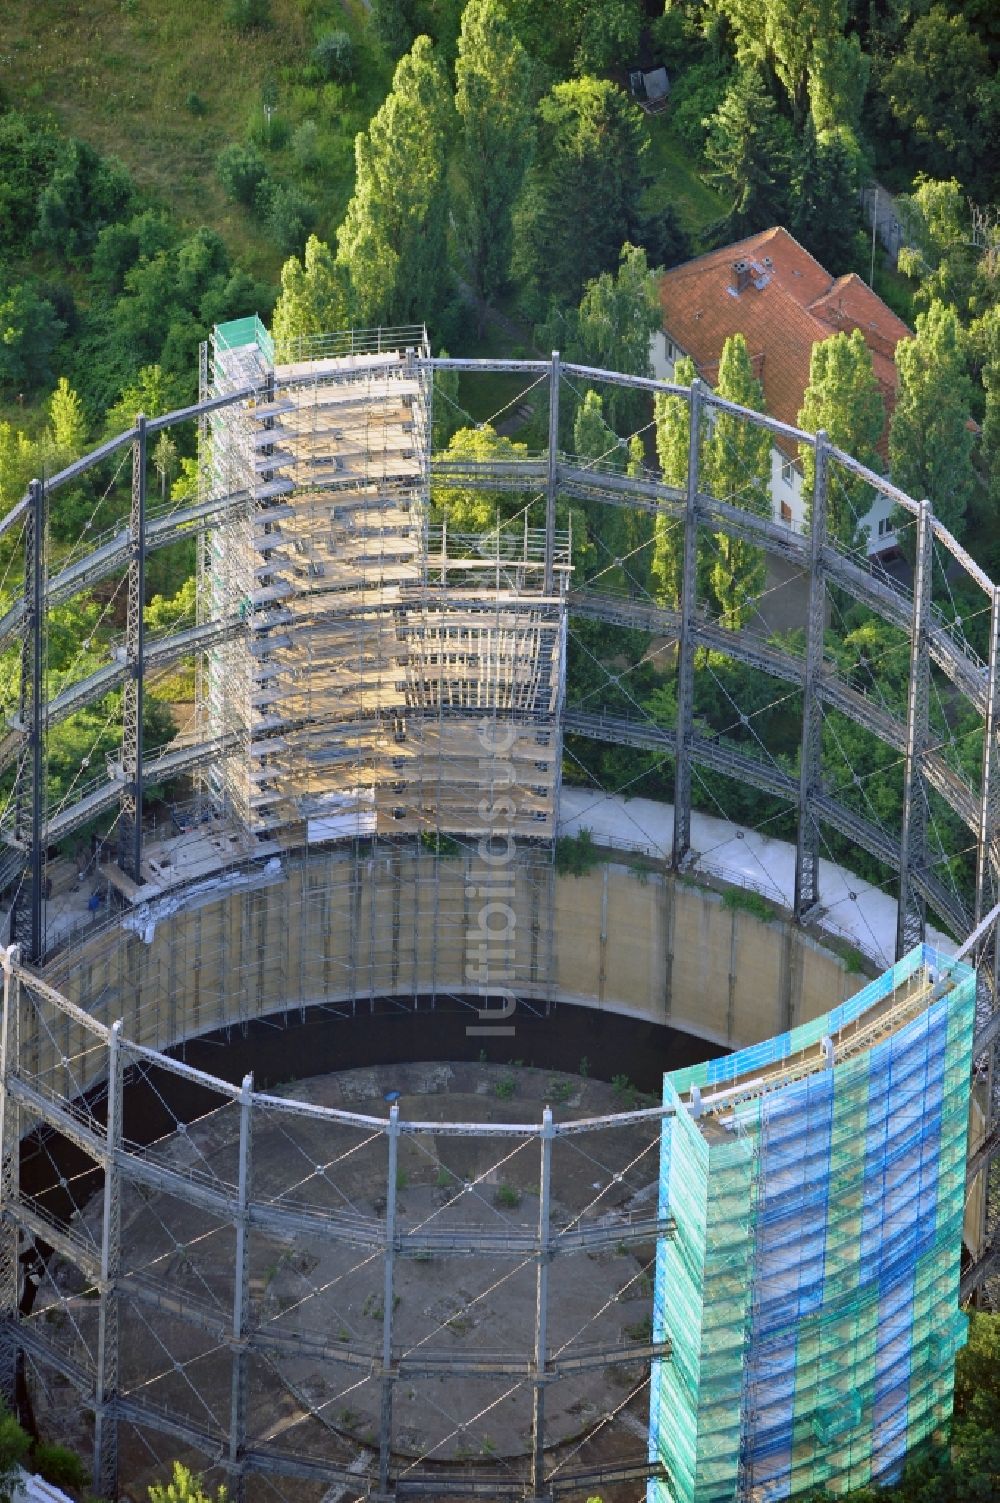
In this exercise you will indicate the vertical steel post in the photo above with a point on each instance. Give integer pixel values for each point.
(987, 875)
(543, 1257)
(106, 1390)
(29, 789)
(130, 836)
(10, 1181)
(911, 916)
(811, 751)
(241, 1297)
(685, 646)
(552, 483)
(388, 1378)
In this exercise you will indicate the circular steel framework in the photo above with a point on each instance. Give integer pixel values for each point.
(65, 1072)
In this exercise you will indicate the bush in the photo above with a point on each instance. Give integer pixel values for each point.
(695, 96)
(194, 104)
(240, 170)
(334, 57)
(60, 1466)
(576, 854)
(305, 145)
(508, 1197)
(290, 219)
(249, 15)
(739, 899)
(14, 1446)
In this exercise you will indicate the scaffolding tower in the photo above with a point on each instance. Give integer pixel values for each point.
(375, 656)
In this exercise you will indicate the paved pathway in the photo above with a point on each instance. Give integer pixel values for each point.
(850, 905)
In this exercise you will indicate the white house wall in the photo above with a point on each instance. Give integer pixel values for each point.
(787, 501)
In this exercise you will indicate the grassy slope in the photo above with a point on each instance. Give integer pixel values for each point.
(118, 73)
(676, 180)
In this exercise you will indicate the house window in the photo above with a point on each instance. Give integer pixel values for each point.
(788, 471)
(786, 512)
(885, 526)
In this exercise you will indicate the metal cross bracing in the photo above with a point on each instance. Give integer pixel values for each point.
(248, 674)
(810, 755)
(912, 916)
(69, 1084)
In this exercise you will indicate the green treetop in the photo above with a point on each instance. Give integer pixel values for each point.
(583, 196)
(930, 442)
(737, 468)
(613, 327)
(392, 243)
(67, 423)
(673, 426)
(749, 153)
(843, 397)
(792, 39)
(496, 115)
(313, 297)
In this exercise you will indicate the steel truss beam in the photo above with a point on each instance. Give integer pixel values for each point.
(911, 922)
(29, 799)
(130, 832)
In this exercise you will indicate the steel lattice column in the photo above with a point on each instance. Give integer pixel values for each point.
(911, 918)
(544, 1258)
(685, 647)
(10, 1181)
(987, 952)
(130, 836)
(241, 1296)
(988, 853)
(106, 1390)
(552, 483)
(29, 786)
(388, 1300)
(811, 754)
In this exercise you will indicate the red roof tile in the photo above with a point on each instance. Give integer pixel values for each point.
(789, 303)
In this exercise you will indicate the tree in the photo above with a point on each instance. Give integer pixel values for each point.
(825, 216)
(67, 423)
(184, 1487)
(930, 442)
(476, 510)
(737, 469)
(583, 196)
(673, 427)
(619, 533)
(940, 249)
(165, 461)
(494, 102)
(84, 193)
(392, 243)
(749, 153)
(290, 217)
(20, 461)
(940, 88)
(843, 397)
(29, 332)
(313, 297)
(608, 35)
(241, 169)
(334, 56)
(152, 393)
(790, 38)
(613, 327)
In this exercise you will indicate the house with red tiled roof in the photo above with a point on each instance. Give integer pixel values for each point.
(770, 289)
